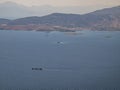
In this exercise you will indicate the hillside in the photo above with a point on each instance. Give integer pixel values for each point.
(4, 21)
(105, 19)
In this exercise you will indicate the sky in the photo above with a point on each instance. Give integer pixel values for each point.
(84, 3)
(45, 7)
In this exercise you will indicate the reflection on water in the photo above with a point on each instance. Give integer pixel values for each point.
(108, 36)
(73, 33)
(84, 59)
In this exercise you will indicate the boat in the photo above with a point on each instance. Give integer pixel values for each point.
(60, 42)
(37, 68)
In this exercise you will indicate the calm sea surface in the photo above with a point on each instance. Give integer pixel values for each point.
(84, 59)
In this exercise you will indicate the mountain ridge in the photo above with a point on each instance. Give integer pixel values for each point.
(105, 19)
(12, 10)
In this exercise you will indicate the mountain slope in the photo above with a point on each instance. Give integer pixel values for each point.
(4, 21)
(107, 11)
(108, 18)
(105, 19)
(52, 19)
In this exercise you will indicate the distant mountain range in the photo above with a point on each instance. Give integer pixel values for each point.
(11, 10)
(105, 19)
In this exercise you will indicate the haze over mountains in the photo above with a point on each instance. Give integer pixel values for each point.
(105, 19)
(11, 10)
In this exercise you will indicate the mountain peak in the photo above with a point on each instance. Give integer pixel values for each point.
(57, 14)
(60, 14)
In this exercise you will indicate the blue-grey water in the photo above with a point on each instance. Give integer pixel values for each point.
(84, 59)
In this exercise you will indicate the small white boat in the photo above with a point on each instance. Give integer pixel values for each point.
(60, 42)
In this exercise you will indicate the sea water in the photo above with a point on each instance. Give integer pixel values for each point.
(82, 59)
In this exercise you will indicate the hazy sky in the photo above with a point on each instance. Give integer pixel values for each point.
(67, 2)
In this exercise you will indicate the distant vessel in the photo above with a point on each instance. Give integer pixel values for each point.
(37, 68)
(60, 42)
